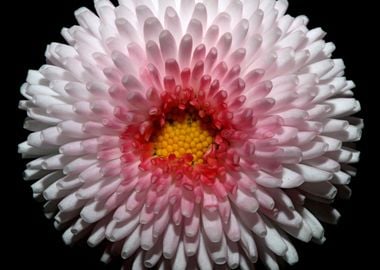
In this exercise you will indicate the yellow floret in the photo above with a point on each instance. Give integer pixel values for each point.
(205, 144)
(180, 138)
(199, 146)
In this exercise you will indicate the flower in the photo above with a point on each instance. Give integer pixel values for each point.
(191, 133)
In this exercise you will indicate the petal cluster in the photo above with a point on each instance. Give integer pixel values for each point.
(275, 109)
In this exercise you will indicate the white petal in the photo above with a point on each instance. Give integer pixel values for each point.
(153, 255)
(274, 241)
(203, 259)
(311, 174)
(131, 244)
(233, 256)
(321, 189)
(212, 224)
(343, 106)
(316, 227)
(245, 201)
(171, 240)
(232, 228)
(180, 260)
(217, 251)
(248, 243)
(191, 245)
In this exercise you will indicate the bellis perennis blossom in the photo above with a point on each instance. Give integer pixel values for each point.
(189, 133)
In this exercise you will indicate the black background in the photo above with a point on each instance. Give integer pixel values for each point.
(30, 239)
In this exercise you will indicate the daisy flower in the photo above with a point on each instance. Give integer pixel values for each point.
(187, 134)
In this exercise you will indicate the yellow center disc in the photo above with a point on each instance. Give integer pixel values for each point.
(180, 138)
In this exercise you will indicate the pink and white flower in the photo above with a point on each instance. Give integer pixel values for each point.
(190, 133)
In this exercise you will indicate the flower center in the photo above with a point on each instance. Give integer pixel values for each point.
(181, 138)
(186, 135)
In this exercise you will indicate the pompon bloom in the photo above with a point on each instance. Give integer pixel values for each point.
(191, 133)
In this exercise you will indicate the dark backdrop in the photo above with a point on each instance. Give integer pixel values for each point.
(31, 239)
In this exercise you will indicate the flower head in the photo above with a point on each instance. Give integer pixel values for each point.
(195, 133)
